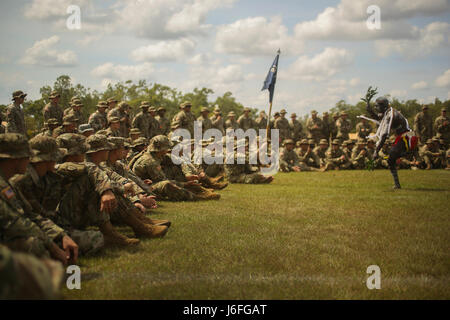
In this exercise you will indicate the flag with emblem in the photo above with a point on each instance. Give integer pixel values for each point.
(271, 78)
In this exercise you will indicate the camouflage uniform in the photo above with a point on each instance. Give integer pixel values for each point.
(15, 117)
(363, 130)
(98, 120)
(360, 155)
(261, 121)
(142, 120)
(282, 124)
(326, 126)
(231, 123)
(344, 127)
(120, 113)
(23, 276)
(442, 126)
(244, 173)
(288, 159)
(296, 128)
(217, 120)
(245, 122)
(423, 125)
(206, 122)
(314, 127)
(184, 119)
(76, 113)
(432, 155)
(333, 127)
(336, 159)
(53, 111)
(164, 123)
(307, 159)
(321, 153)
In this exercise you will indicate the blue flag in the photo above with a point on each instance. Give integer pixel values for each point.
(271, 78)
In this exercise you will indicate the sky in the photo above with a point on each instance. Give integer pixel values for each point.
(329, 51)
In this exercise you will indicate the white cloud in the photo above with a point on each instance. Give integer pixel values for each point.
(444, 80)
(419, 85)
(111, 72)
(51, 9)
(43, 53)
(321, 66)
(164, 51)
(256, 36)
(354, 82)
(434, 35)
(398, 93)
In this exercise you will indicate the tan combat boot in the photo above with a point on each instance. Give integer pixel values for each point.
(142, 229)
(150, 221)
(112, 237)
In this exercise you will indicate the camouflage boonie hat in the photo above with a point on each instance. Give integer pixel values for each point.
(246, 109)
(152, 109)
(110, 100)
(69, 119)
(123, 105)
(429, 141)
(361, 142)
(98, 142)
(336, 142)
(135, 131)
(444, 109)
(323, 141)
(14, 146)
(231, 114)
(45, 148)
(102, 132)
(18, 94)
(52, 121)
(325, 114)
(335, 115)
(435, 139)
(425, 107)
(102, 104)
(314, 112)
(75, 144)
(283, 111)
(74, 98)
(54, 94)
(217, 109)
(204, 109)
(303, 141)
(161, 109)
(276, 114)
(293, 115)
(113, 120)
(116, 142)
(185, 104)
(344, 113)
(311, 141)
(76, 102)
(159, 143)
(85, 128)
(145, 104)
(140, 142)
(288, 141)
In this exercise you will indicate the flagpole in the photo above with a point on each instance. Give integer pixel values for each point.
(268, 122)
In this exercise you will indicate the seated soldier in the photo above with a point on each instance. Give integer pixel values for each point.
(320, 152)
(86, 130)
(431, 155)
(360, 156)
(114, 127)
(309, 161)
(336, 158)
(69, 126)
(139, 145)
(288, 158)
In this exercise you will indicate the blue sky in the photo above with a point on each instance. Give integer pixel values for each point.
(328, 53)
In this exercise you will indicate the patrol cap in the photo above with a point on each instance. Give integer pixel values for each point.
(69, 119)
(159, 143)
(323, 141)
(140, 142)
(75, 144)
(54, 94)
(335, 115)
(14, 146)
(98, 142)
(45, 148)
(116, 142)
(82, 128)
(276, 114)
(336, 142)
(435, 139)
(18, 94)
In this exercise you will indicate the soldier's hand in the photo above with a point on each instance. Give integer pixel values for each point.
(191, 178)
(148, 181)
(148, 201)
(129, 189)
(192, 183)
(140, 207)
(108, 202)
(57, 254)
(71, 249)
(363, 152)
(296, 168)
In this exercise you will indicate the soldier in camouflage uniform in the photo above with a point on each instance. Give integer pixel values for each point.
(261, 121)
(282, 124)
(333, 127)
(433, 157)
(155, 129)
(148, 166)
(288, 158)
(23, 276)
(231, 122)
(50, 125)
(326, 126)
(314, 126)
(164, 123)
(423, 125)
(69, 125)
(184, 119)
(135, 134)
(320, 152)
(98, 119)
(75, 110)
(217, 120)
(121, 112)
(36, 184)
(308, 160)
(347, 148)
(363, 129)
(336, 158)
(245, 121)
(112, 102)
(22, 229)
(296, 128)
(2, 127)
(138, 146)
(360, 155)
(442, 126)
(114, 127)
(14, 115)
(142, 120)
(206, 122)
(344, 127)
(86, 130)
(52, 109)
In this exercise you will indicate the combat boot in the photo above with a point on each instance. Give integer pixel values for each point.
(207, 195)
(142, 229)
(147, 220)
(112, 237)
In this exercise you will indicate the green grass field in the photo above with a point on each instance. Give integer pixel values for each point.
(306, 236)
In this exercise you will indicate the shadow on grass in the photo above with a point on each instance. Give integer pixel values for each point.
(426, 189)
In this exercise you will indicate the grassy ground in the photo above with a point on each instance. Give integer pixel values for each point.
(306, 236)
